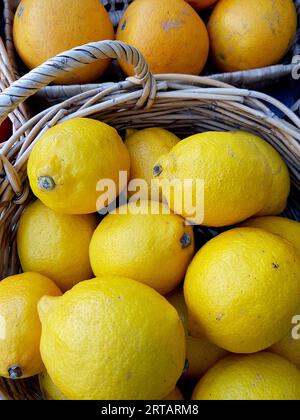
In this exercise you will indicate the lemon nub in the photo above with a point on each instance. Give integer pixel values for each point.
(15, 372)
(186, 241)
(157, 170)
(186, 366)
(46, 183)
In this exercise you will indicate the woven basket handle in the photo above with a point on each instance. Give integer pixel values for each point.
(75, 59)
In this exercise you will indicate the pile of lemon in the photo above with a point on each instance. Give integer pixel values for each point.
(172, 36)
(122, 306)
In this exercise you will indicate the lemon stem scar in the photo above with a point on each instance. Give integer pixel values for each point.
(186, 366)
(46, 183)
(157, 170)
(15, 372)
(186, 241)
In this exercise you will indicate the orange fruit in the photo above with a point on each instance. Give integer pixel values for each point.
(251, 34)
(45, 28)
(201, 4)
(170, 35)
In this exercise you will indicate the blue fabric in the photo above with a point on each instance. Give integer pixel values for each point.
(287, 91)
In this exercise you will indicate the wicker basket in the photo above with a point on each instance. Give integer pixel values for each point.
(7, 76)
(186, 104)
(253, 78)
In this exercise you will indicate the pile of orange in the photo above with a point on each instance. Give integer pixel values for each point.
(175, 36)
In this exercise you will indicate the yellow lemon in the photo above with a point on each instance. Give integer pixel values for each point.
(242, 289)
(112, 338)
(67, 163)
(251, 34)
(262, 376)
(286, 228)
(56, 245)
(154, 249)
(278, 194)
(229, 165)
(175, 395)
(145, 147)
(20, 327)
(45, 28)
(49, 390)
(201, 355)
(289, 347)
(129, 132)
